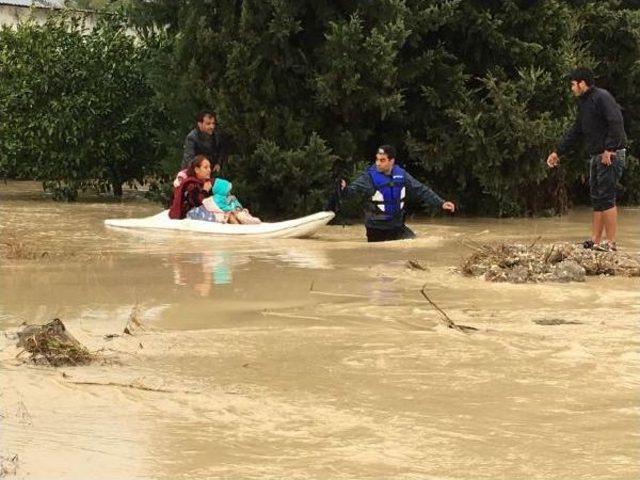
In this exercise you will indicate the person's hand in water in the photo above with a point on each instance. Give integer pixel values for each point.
(449, 206)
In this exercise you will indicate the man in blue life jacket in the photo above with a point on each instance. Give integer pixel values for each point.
(386, 184)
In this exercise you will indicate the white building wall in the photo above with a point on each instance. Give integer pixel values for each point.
(12, 14)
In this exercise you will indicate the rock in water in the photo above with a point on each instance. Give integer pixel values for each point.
(568, 271)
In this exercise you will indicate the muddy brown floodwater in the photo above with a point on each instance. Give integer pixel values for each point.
(314, 358)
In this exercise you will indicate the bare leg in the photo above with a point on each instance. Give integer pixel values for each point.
(232, 218)
(597, 227)
(610, 221)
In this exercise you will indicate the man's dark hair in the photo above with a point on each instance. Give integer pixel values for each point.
(581, 74)
(205, 113)
(389, 150)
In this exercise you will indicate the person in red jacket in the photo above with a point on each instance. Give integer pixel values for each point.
(192, 197)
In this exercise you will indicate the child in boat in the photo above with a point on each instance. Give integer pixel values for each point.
(222, 197)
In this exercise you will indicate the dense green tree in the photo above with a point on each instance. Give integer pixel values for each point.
(467, 90)
(75, 105)
(473, 93)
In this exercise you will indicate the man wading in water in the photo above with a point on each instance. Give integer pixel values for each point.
(387, 184)
(601, 126)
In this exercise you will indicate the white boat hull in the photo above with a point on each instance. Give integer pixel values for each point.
(295, 228)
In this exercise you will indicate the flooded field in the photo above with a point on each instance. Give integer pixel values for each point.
(315, 358)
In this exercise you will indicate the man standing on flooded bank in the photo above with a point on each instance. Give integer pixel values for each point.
(601, 125)
(386, 184)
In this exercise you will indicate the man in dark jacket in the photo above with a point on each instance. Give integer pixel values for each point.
(205, 140)
(601, 126)
(386, 184)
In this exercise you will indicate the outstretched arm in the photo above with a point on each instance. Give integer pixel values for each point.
(423, 192)
(567, 143)
(362, 184)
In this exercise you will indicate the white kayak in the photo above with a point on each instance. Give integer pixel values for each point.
(295, 228)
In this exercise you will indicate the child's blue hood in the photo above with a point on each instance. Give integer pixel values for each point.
(221, 187)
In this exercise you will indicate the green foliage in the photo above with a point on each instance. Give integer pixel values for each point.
(77, 105)
(285, 181)
(473, 93)
(504, 141)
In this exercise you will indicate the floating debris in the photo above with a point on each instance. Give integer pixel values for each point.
(415, 265)
(556, 321)
(8, 465)
(444, 317)
(51, 344)
(134, 324)
(559, 262)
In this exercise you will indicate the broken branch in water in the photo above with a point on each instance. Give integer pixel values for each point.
(548, 255)
(134, 322)
(475, 245)
(535, 241)
(447, 321)
(130, 385)
(414, 264)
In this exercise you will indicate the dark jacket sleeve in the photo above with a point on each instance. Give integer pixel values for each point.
(423, 192)
(189, 151)
(362, 184)
(570, 138)
(615, 137)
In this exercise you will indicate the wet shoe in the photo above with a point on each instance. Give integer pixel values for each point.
(606, 247)
(588, 244)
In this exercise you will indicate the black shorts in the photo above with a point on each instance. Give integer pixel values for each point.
(380, 235)
(603, 180)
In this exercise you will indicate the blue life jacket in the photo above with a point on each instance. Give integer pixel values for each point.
(387, 202)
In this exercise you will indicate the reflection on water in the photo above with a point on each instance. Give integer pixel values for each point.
(202, 270)
(314, 358)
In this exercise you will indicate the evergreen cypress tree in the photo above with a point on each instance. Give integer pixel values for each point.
(472, 92)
